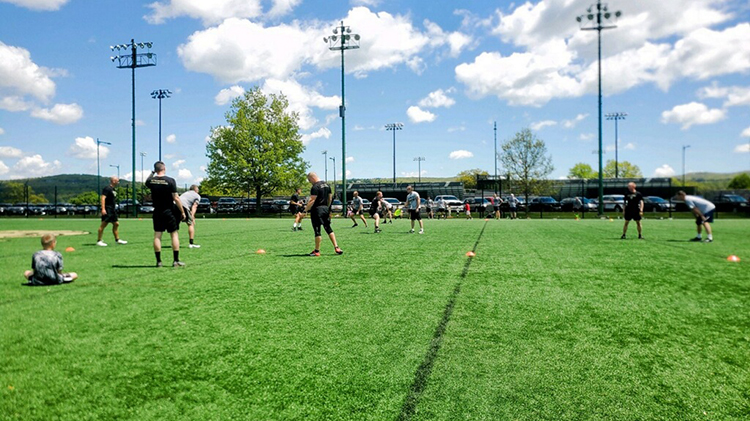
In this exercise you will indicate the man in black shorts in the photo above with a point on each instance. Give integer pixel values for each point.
(168, 211)
(109, 212)
(320, 214)
(633, 210)
(296, 207)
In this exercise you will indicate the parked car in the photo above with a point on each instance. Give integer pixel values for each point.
(521, 206)
(657, 204)
(4, 207)
(16, 209)
(86, 209)
(365, 204)
(280, 205)
(451, 202)
(479, 204)
(570, 204)
(337, 206)
(248, 205)
(126, 206)
(731, 203)
(394, 202)
(544, 204)
(226, 205)
(613, 202)
(146, 207)
(204, 206)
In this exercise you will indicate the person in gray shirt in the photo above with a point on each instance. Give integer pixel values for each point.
(414, 203)
(189, 201)
(47, 266)
(358, 208)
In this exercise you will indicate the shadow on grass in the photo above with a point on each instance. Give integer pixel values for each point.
(132, 266)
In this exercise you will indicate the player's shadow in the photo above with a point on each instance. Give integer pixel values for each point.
(294, 255)
(131, 266)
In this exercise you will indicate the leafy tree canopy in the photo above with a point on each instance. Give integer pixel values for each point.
(469, 177)
(741, 181)
(527, 164)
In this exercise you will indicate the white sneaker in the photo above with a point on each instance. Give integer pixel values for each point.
(121, 241)
(194, 246)
(101, 243)
(421, 231)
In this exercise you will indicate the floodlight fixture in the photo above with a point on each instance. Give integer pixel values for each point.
(616, 117)
(394, 127)
(160, 94)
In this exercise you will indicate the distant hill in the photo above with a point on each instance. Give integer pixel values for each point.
(68, 185)
(702, 177)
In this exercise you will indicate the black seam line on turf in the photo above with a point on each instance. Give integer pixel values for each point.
(424, 371)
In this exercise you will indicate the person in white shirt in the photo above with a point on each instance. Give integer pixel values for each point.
(413, 203)
(190, 200)
(703, 211)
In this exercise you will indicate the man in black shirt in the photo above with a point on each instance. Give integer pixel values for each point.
(168, 211)
(633, 210)
(296, 207)
(320, 214)
(108, 206)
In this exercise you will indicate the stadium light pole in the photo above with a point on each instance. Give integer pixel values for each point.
(394, 127)
(616, 117)
(595, 19)
(325, 161)
(342, 40)
(160, 94)
(98, 176)
(118, 169)
(143, 155)
(683, 164)
(419, 159)
(495, 183)
(334, 175)
(133, 60)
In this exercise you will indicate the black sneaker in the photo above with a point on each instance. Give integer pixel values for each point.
(339, 251)
(299, 228)
(178, 264)
(640, 237)
(294, 229)
(314, 253)
(696, 239)
(355, 225)
(623, 237)
(377, 230)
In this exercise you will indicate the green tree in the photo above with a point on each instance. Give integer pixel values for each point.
(469, 177)
(16, 193)
(581, 170)
(527, 163)
(259, 149)
(87, 198)
(741, 181)
(624, 170)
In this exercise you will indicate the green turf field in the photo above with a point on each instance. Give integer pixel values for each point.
(552, 320)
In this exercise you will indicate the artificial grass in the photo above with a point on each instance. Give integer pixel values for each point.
(551, 320)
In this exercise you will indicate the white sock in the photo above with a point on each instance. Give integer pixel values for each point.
(710, 236)
(698, 236)
(295, 225)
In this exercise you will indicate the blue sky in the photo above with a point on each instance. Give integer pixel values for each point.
(446, 70)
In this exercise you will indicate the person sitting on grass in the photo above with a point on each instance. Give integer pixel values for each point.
(47, 266)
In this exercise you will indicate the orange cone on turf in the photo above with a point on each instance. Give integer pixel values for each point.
(70, 249)
(470, 254)
(260, 251)
(733, 258)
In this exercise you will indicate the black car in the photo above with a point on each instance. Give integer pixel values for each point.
(204, 206)
(478, 204)
(657, 204)
(572, 204)
(545, 204)
(731, 203)
(227, 205)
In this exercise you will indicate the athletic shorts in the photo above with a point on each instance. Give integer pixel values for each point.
(497, 208)
(110, 217)
(632, 215)
(709, 218)
(188, 216)
(414, 215)
(165, 220)
(321, 216)
(512, 208)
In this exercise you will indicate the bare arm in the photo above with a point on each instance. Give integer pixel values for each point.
(330, 199)
(104, 211)
(310, 203)
(176, 200)
(194, 209)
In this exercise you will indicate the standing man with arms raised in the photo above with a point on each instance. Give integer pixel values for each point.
(703, 211)
(633, 210)
(108, 206)
(168, 211)
(189, 201)
(320, 212)
(413, 203)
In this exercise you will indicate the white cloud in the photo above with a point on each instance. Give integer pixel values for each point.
(20, 76)
(734, 95)
(2, 131)
(14, 104)
(210, 12)
(10, 152)
(34, 166)
(172, 138)
(412, 173)
(371, 3)
(203, 168)
(349, 159)
(3, 168)
(60, 113)
(456, 129)
(282, 7)
(140, 123)
(226, 96)
(629, 146)
(43, 5)
(184, 174)
(569, 124)
(301, 100)
(456, 41)
(691, 114)
(746, 132)
(586, 136)
(85, 148)
(460, 154)
(664, 171)
(542, 124)
(438, 99)
(743, 148)
(418, 115)
(322, 132)
(142, 175)
(177, 164)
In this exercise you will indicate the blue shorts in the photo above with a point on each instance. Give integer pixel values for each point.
(709, 218)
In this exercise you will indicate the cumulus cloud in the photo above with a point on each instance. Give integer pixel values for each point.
(569, 124)
(10, 152)
(733, 95)
(418, 115)
(743, 148)
(664, 171)
(20, 76)
(539, 125)
(322, 132)
(142, 175)
(184, 174)
(34, 166)
(3, 168)
(41, 5)
(692, 114)
(629, 146)
(438, 99)
(460, 154)
(2, 131)
(746, 132)
(59, 114)
(210, 13)
(227, 95)
(172, 138)
(349, 159)
(586, 136)
(301, 99)
(177, 164)
(85, 148)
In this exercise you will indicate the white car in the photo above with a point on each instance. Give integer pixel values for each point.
(613, 202)
(451, 202)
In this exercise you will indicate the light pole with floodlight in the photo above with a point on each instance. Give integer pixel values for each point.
(143, 155)
(118, 169)
(132, 61)
(342, 39)
(160, 94)
(683, 164)
(594, 20)
(98, 176)
(325, 161)
(616, 117)
(334, 175)
(419, 159)
(394, 127)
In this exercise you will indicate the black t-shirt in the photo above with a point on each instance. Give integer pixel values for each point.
(321, 191)
(633, 201)
(109, 198)
(162, 190)
(294, 199)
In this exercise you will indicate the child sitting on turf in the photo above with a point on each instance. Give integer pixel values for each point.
(47, 265)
